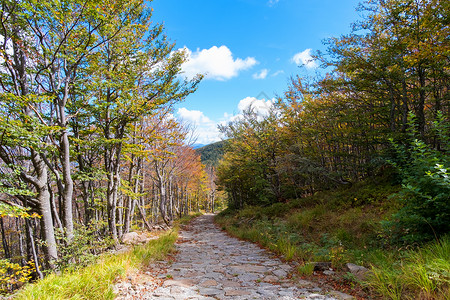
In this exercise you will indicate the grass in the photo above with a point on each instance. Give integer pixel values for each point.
(305, 269)
(186, 219)
(326, 226)
(96, 282)
(422, 274)
(345, 226)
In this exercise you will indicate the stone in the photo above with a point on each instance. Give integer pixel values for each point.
(304, 283)
(249, 268)
(270, 263)
(248, 277)
(267, 294)
(210, 291)
(237, 293)
(285, 267)
(208, 283)
(230, 283)
(321, 266)
(359, 272)
(328, 272)
(131, 238)
(286, 293)
(182, 283)
(315, 296)
(270, 278)
(341, 296)
(213, 275)
(280, 273)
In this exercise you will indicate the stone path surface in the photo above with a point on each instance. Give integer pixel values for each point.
(209, 264)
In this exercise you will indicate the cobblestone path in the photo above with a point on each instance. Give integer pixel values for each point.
(209, 264)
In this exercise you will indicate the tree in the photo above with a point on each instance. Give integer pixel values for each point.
(253, 147)
(135, 74)
(425, 192)
(75, 78)
(336, 128)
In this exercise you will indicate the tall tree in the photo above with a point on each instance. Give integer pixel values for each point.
(135, 74)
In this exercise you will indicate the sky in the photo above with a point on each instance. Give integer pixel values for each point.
(248, 50)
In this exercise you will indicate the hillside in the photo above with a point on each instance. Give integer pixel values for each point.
(212, 153)
(344, 230)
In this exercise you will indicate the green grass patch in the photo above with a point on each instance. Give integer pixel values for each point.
(96, 281)
(420, 274)
(186, 219)
(305, 269)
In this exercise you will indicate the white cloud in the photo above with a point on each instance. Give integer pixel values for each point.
(206, 130)
(261, 75)
(216, 63)
(277, 73)
(305, 59)
(194, 116)
(272, 2)
(260, 106)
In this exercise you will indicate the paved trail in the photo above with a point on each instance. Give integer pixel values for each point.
(210, 264)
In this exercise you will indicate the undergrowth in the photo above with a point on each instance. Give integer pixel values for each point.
(420, 274)
(346, 226)
(96, 281)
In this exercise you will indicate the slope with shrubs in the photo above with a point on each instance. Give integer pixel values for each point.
(346, 226)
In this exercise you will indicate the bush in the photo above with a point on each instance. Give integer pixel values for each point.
(12, 274)
(425, 191)
(276, 210)
(83, 249)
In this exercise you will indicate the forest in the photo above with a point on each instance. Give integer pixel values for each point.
(382, 107)
(89, 148)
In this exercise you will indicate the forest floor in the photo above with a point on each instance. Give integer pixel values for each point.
(209, 264)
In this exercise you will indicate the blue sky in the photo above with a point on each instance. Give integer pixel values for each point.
(248, 50)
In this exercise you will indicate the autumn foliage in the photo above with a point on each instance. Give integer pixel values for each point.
(340, 127)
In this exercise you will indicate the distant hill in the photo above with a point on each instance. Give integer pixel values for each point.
(196, 146)
(212, 153)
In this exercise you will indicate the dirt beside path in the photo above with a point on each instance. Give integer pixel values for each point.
(209, 264)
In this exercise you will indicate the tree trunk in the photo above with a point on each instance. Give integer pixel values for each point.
(4, 240)
(50, 249)
(33, 256)
(119, 220)
(142, 212)
(133, 179)
(21, 246)
(420, 105)
(43, 198)
(54, 211)
(163, 201)
(111, 196)
(68, 182)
